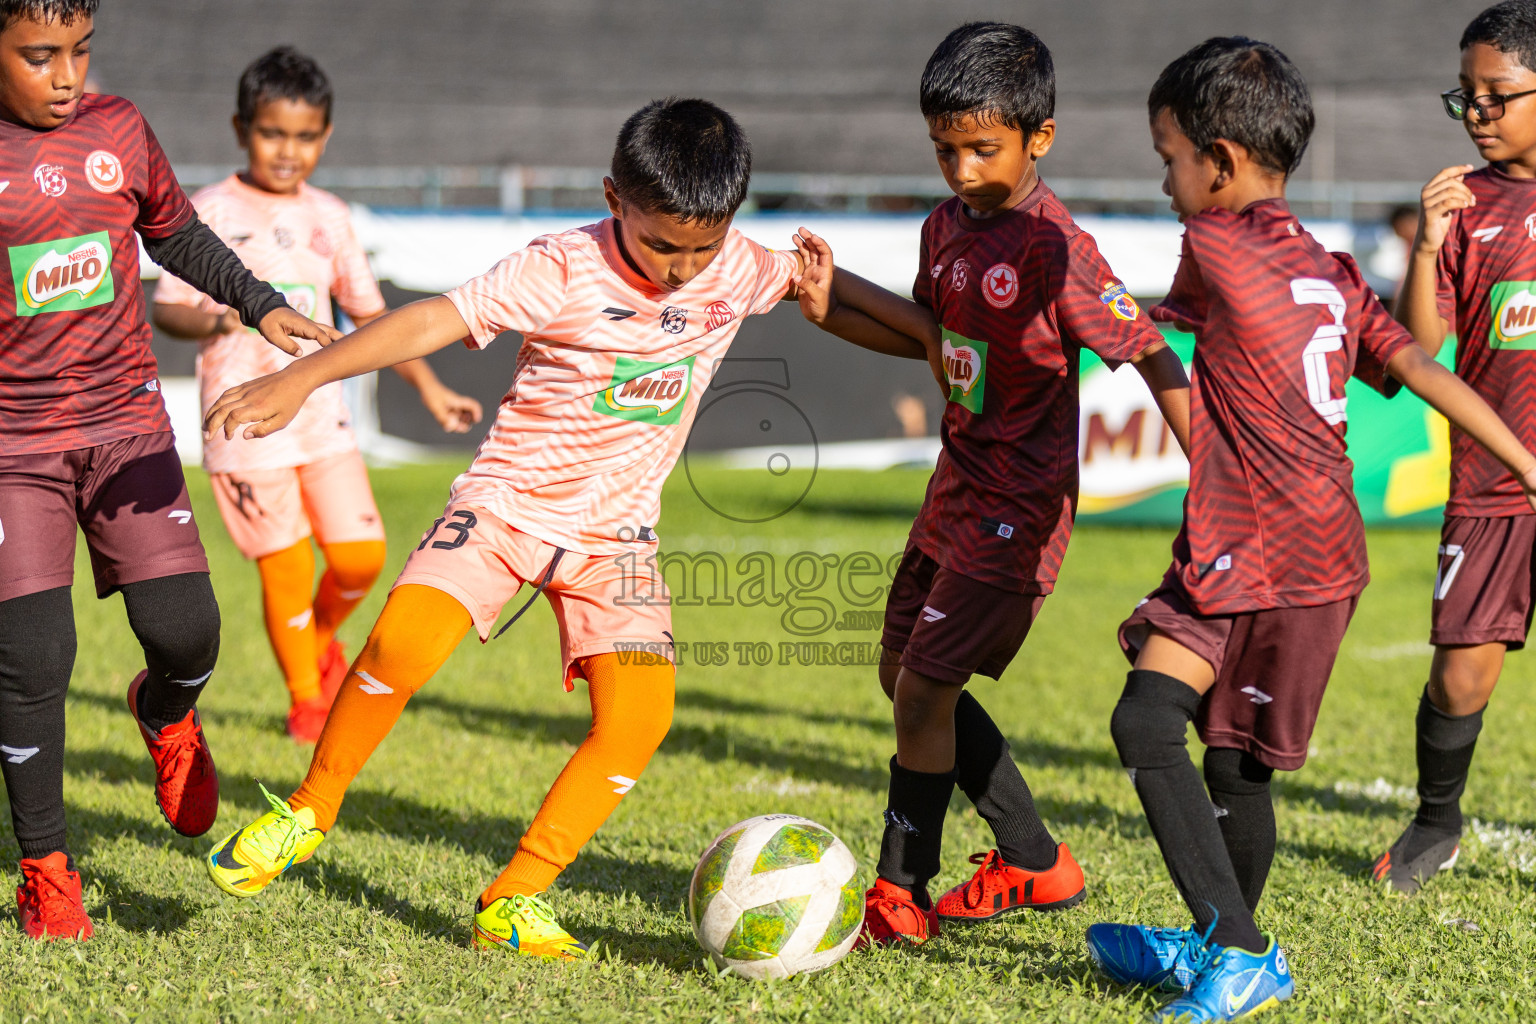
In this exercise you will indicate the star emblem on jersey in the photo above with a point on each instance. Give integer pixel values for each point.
(1000, 285)
(674, 319)
(50, 180)
(1530, 225)
(718, 314)
(104, 172)
(959, 274)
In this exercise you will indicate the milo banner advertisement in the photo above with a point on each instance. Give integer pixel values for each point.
(1133, 471)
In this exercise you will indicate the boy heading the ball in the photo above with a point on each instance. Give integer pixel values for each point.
(1010, 291)
(624, 324)
(275, 493)
(1241, 635)
(1473, 270)
(85, 442)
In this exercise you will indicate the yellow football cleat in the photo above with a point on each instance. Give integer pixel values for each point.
(526, 925)
(248, 859)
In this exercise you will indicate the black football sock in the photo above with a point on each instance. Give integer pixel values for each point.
(37, 654)
(1239, 785)
(986, 773)
(176, 621)
(914, 828)
(1445, 746)
(1149, 726)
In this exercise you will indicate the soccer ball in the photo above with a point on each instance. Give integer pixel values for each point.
(776, 896)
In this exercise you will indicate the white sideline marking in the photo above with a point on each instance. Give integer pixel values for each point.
(1392, 652)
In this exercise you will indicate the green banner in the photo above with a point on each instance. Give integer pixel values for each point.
(1133, 472)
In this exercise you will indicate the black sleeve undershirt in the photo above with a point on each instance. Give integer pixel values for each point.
(199, 257)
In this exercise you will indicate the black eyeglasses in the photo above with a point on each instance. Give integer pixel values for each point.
(1488, 108)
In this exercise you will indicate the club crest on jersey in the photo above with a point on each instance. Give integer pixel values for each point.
(1514, 315)
(104, 172)
(718, 315)
(647, 392)
(674, 319)
(50, 180)
(959, 273)
(62, 275)
(965, 367)
(1119, 301)
(1530, 226)
(320, 242)
(1000, 285)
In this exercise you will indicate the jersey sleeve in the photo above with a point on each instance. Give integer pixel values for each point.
(1094, 309)
(775, 269)
(163, 207)
(1188, 301)
(524, 293)
(1381, 336)
(354, 286)
(922, 285)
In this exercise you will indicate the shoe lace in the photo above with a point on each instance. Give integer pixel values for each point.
(277, 838)
(1195, 947)
(537, 908)
(976, 889)
(45, 891)
(179, 751)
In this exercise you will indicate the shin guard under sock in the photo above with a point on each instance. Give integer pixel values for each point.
(176, 621)
(1445, 744)
(37, 654)
(351, 567)
(1149, 726)
(286, 579)
(1245, 811)
(914, 828)
(986, 773)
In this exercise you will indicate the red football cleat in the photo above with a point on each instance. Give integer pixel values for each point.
(307, 718)
(48, 900)
(186, 782)
(333, 672)
(999, 888)
(891, 915)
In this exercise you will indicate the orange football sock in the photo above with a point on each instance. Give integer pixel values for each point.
(286, 579)
(631, 712)
(350, 569)
(417, 630)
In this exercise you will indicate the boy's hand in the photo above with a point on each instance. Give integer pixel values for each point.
(814, 285)
(228, 323)
(283, 324)
(1446, 193)
(267, 403)
(454, 412)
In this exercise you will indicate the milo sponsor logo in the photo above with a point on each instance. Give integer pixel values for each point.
(965, 366)
(304, 298)
(64, 274)
(1514, 315)
(649, 392)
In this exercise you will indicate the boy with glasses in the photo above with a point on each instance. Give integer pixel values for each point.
(1472, 269)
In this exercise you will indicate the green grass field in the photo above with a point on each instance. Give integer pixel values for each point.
(375, 926)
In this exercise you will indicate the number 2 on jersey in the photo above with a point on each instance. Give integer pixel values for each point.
(1315, 291)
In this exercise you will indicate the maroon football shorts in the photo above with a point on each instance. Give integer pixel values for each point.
(948, 626)
(128, 496)
(1272, 667)
(1483, 581)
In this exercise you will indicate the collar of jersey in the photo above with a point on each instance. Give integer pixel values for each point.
(968, 223)
(235, 182)
(608, 239)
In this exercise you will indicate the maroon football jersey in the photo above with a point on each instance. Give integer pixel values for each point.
(1487, 290)
(1280, 324)
(1018, 295)
(76, 361)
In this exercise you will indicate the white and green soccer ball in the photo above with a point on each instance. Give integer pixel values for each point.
(776, 896)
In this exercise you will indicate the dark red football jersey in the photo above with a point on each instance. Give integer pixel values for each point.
(1280, 324)
(1019, 295)
(1487, 290)
(75, 346)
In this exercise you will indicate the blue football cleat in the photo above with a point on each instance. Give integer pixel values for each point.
(1166, 959)
(1234, 984)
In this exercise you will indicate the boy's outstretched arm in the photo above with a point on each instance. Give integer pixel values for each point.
(188, 323)
(1441, 388)
(454, 412)
(862, 312)
(1163, 371)
(1415, 307)
(268, 403)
